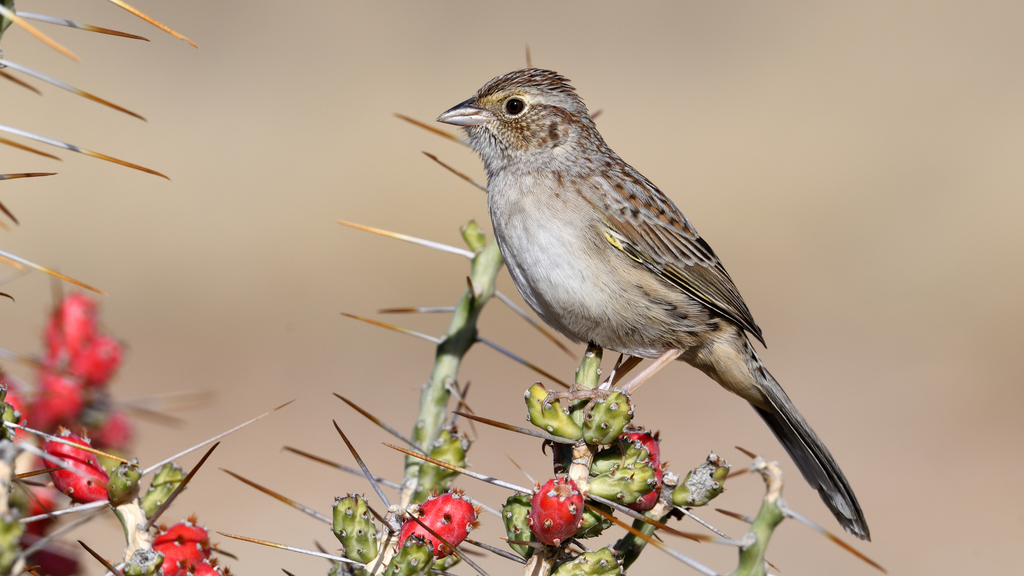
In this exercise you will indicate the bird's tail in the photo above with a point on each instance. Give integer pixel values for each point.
(816, 463)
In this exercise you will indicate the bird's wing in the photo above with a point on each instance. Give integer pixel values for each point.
(645, 225)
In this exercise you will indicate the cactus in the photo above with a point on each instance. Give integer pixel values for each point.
(627, 483)
(184, 546)
(144, 562)
(593, 524)
(551, 418)
(598, 563)
(164, 482)
(449, 447)
(90, 483)
(124, 483)
(515, 514)
(556, 510)
(607, 419)
(449, 515)
(414, 558)
(703, 483)
(354, 528)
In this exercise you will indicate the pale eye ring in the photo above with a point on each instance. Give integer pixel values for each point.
(514, 106)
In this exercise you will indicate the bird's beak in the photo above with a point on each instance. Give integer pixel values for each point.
(466, 114)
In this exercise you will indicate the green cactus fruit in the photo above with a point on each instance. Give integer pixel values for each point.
(551, 418)
(593, 524)
(144, 562)
(451, 448)
(703, 483)
(516, 516)
(625, 484)
(164, 482)
(7, 414)
(607, 419)
(124, 482)
(598, 563)
(354, 528)
(416, 557)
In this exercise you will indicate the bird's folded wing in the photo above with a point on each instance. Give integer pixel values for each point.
(644, 224)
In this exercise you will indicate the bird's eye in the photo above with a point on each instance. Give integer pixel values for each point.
(515, 106)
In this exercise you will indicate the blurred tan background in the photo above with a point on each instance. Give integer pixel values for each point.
(857, 167)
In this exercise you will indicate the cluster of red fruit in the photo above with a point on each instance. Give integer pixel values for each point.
(186, 549)
(77, 367)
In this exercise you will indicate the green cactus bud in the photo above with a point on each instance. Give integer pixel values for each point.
(550, 417)
(124, 482)
(415, 557)
(7, 414)
(618, 454)
(516, 516)
(451, 448)
(598, 563)
(10, 534)
(447, 562)
(607, 419)
(355, 529)
(625, 484)
(164, 482)
(703, 483)
(593, 524)
(144, 562)
(473, 236)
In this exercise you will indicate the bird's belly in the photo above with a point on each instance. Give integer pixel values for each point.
(574, 282)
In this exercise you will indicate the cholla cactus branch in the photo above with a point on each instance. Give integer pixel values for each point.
(752, 561)
(461, 335)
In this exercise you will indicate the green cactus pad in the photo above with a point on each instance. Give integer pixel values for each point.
(415, 557)
(164, 482)
(598, 563)
(451, 448)
(516, 516)
(144, 562)
(550, 418)
(354, 528)
(7, 414)
(124, 482)
(625, 484)
(607, 419)
(593, 524)
(703, 483)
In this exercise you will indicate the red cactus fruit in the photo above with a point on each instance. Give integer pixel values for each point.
(71, 327)
(204, 568)
(58, 402)
(97, 361)
(556, 510)
(450, 515)
(185, 547)
(90, 485)
(650, 443)
(115, 433)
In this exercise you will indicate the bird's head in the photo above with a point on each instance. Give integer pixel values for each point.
(527, 118)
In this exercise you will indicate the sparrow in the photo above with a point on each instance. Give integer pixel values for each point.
(604, 257)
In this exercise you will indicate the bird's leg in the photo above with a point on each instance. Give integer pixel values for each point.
(622, 367)
(651, 370)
